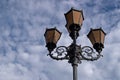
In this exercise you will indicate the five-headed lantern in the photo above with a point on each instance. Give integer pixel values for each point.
(74, 19)
(52, 36)
(97, 36)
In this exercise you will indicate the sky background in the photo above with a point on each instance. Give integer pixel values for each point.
(23, 55)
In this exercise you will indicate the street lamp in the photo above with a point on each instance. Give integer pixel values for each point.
(74, 53)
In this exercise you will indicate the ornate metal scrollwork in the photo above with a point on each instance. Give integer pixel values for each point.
(61, 50)
(59, 53)
(89, 54)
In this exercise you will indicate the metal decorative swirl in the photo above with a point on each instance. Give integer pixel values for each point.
(59, 53)
(89, 54)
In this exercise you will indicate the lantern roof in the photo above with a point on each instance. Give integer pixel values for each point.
(96, 30)
(72, 9)
(52, 29)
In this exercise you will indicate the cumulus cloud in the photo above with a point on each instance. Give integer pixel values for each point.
(23, 55)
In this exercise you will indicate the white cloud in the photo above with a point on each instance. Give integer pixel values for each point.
(14, 72)
(23, 55)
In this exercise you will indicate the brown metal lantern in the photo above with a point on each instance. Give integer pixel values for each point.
(97, 36)
(74, 18)
(52, 36)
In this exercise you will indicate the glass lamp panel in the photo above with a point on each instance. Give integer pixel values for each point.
(91, 37)
(77, 17)
(56, 36)
(102, 36)
(96, 34)
(81, 19)
(49, 35)
(69, 18)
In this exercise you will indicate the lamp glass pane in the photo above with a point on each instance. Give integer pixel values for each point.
(91, 37)
(49, 36)
(81, 20)
(102, 37)
(69, 18)
(97, 36)
(76, 17)
(56, 36)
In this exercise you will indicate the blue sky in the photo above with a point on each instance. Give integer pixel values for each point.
(23, 55)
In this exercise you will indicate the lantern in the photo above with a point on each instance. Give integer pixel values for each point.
(97, 36)
(74, 19)
(52, 36)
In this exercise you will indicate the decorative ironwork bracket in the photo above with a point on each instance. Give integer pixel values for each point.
(59, 53)
(89, 54)
(66, 53)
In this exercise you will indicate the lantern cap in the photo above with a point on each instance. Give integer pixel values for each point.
(49, 29)
(72, 9)
(96, 30)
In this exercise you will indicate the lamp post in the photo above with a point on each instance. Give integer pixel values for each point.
(75, 53)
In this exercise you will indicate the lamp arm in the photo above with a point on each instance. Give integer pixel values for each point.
(89, 54)
(57, 58)
(60, 53)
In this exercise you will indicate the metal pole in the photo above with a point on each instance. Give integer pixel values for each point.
(74, 72)
(75, 64)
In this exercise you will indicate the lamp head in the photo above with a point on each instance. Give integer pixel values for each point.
(52, 36)
(74, 19)
(97, 36)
